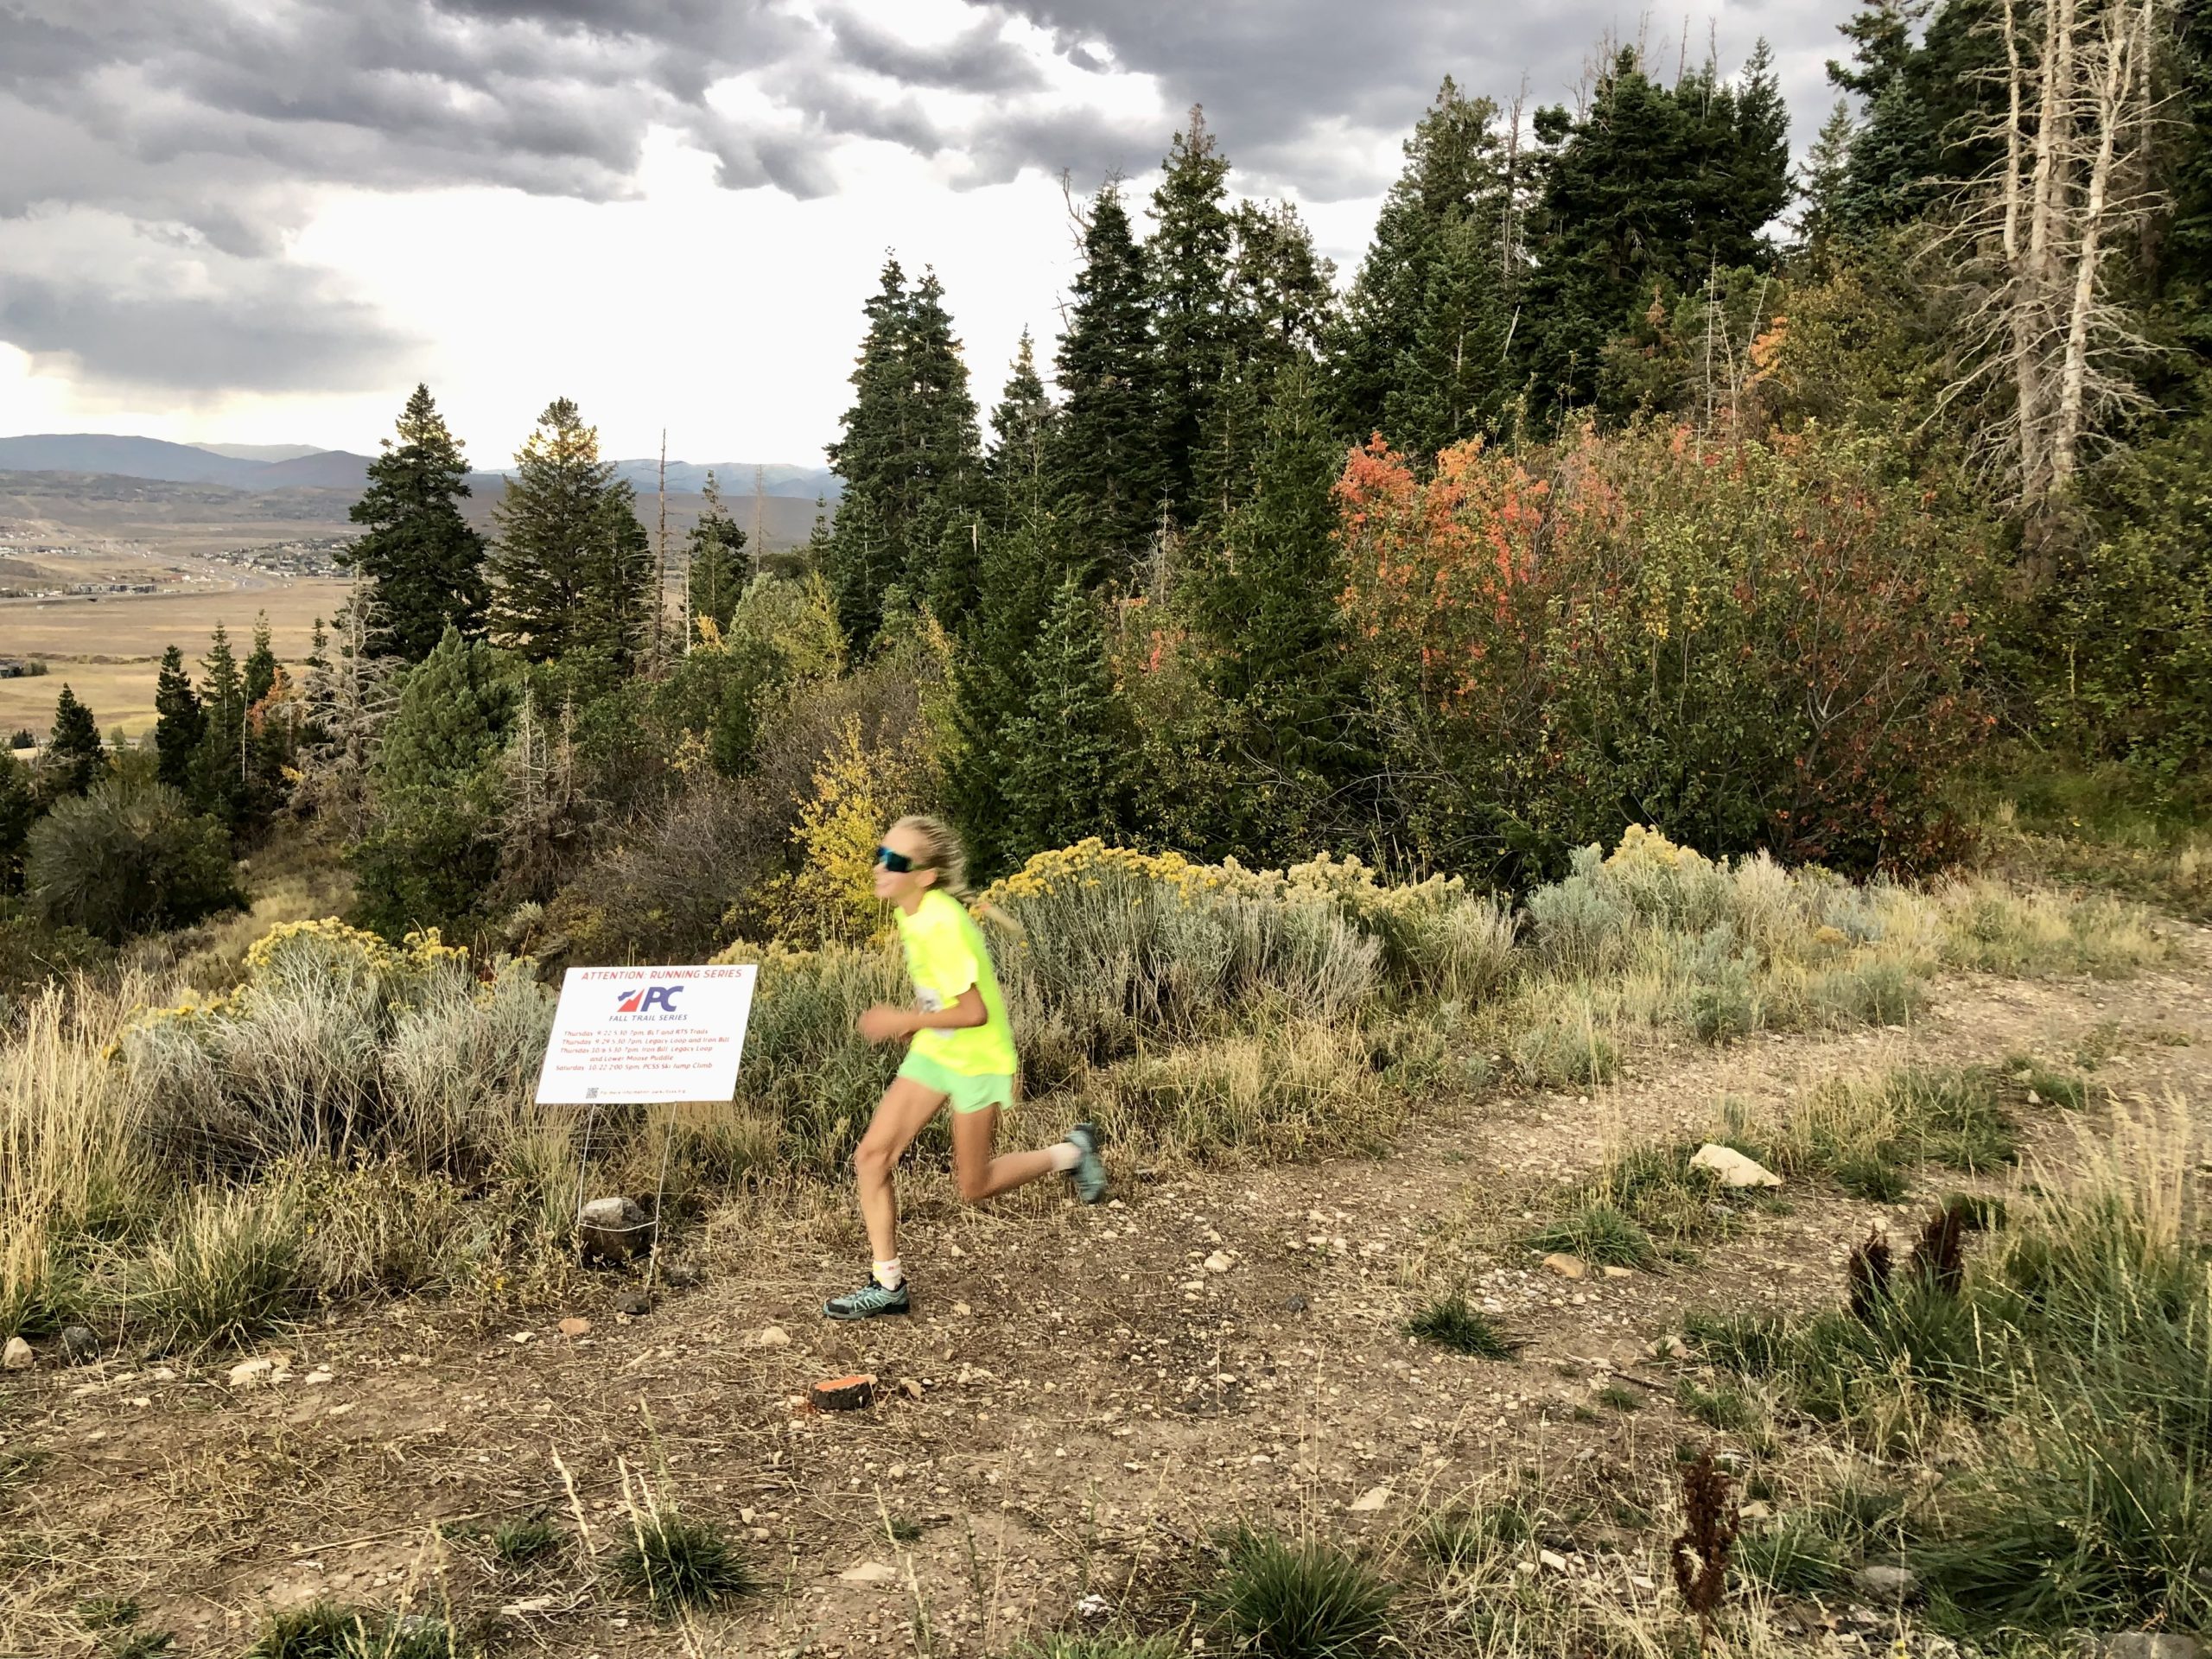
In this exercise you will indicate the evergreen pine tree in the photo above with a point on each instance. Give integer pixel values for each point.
(909, 454)
(1266, 600)
(74, 759)
(178, 723)
(19, 808)
(1820, 183)
(1455, 193)
(1020, 434)
(423, 563)
(572, 569)
(1282, 292)
(944, 459)
(1105, 461)
(432, 850)
(1186, 260)
(1647, 191)
(714, 565)
(260, 670)
(1063, 754)
(1881, 45)
(220, 769)
(350, 694)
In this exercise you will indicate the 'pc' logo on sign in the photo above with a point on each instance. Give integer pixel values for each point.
(647, 998)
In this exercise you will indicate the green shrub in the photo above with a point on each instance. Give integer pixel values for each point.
(1295, 1091)
(518, 1543)
(1725, 1409)
(1462, 1538)
(324, 1629)
(1281, 1600)
(1565, 1051)
(127, 858)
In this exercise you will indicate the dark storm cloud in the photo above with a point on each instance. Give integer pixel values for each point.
(211, 125)
(281, 338)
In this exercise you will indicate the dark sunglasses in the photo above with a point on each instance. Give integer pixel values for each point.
(897, 863)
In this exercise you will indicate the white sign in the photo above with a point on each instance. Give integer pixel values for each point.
(630, 1035)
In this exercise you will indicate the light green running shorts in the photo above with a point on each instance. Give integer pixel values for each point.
(967, 1094)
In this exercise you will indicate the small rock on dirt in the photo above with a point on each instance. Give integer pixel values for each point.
(1886, 1584)
(1220, 1261)
(1620, 1273)
(1373, 1499)
(681, 1275)
(1732, 1168)
(635, 1303)
(1568, 1267)
(1293, 1303)
(771, 1336)
(613, 1229)
(1551, 1560)
(2145, 1645)
(573, 1326)
(869, 1572)
(1094, 1605)
(17, 1356)
(251, 1373)
(79, 1346)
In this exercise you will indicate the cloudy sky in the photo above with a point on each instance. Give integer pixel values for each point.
(263, 221)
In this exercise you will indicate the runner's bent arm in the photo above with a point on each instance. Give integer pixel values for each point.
(967, 1011)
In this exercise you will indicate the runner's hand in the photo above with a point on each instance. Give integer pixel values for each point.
(883, 1024)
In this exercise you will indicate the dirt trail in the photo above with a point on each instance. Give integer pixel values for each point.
(1081, 1399)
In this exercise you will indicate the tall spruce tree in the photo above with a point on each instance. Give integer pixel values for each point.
(74, 759)
(714, 569)
(572, 569)
(1438, 283)
(910, 456)
(260, 670)
(1106, 456)
(19, 808)
(1266, 598)
(431, 851)
(423, 563)
(1187, 262)
(1282, 292)
(222, 768)
(1820, 181)
(1064, 754)
(178, 723)
(1647, 191)
(1023, 563)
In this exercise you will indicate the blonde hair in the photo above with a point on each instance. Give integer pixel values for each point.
(943, 852)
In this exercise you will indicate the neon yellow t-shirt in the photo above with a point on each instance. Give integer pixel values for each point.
(945, 955)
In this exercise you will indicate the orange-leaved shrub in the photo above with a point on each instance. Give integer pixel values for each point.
(1743, 645)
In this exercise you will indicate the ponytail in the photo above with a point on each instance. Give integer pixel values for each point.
(942, 850)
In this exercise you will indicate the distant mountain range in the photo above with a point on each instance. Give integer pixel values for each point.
(294, 467)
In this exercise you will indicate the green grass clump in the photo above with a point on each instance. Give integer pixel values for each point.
(677, 1561)
(1451, 1323)
(1729, 1410)
(142, 1644)
(1281, 1600)
(1459, 1538)
(2075, 1352)
(1620, 1399)
(1100, 1647)
(517, 1543)
(325, 1630)
(1792, 1556)
(1868, 1136)
(1600, 1235)
(107, 1612)
(226, 1270)
(2067, 1090)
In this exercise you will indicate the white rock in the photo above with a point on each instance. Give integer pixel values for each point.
(1551, 1559)
(1220, 1261)
(317, 1379)
(17, 1356)
(1374, 1498)
(1095, 1605)
(1568, 1267)
(869, 1572)
(1887, 1584)
(252, 1373)
(771, 1336)
(1732, 1168)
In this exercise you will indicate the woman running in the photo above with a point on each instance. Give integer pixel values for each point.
(961, 1051)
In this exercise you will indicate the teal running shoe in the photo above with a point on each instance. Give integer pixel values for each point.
(870, 1301)
(1089, 1172)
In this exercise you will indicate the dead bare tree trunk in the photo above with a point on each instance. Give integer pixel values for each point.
(2078, 106)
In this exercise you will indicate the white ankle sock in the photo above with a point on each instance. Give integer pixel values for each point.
(890, 1274)
(1065, 1156)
